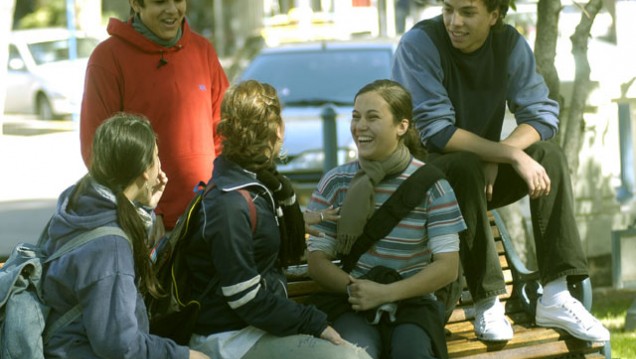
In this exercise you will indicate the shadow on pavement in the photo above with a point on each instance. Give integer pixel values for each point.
(29, 125)
(22, 221)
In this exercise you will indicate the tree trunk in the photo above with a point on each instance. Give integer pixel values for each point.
(575, 123)
(571, 119)
(544, 53)
(545, 44)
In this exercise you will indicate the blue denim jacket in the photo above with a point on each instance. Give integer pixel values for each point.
(22, 312)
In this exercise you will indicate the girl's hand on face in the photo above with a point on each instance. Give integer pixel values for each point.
(156, 191)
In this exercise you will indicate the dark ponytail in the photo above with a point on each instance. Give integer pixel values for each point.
(123, 148)
(134, 227)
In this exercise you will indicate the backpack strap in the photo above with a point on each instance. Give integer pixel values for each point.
(191, 209)
(74, 243)
(86, 237)
(250, 205)
(61, 322)
(252, 210)
(407, 196)
(248, 198)
(44, 233)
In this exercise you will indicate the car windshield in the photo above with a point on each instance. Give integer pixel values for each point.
(53, 51)
(313, 78)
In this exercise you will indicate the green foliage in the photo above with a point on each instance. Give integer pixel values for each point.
(611, 310)
(48, 13)
(623, 344)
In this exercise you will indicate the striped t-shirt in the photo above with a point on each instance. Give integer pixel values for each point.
(431, 227)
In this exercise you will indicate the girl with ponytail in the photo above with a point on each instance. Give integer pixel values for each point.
(385, 303)
(107, 275)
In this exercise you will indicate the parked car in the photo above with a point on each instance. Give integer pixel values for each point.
(43, 78)
(312, 79)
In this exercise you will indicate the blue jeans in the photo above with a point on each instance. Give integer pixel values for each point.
(408, 341)
(558, 245)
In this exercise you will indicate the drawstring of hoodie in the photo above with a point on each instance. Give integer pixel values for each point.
(162, 60)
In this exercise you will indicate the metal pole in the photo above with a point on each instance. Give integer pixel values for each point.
(219, 28)
(626, 190)
(630, 318)
(72, 39)
(329, 137)
(382, 18)
(7, 9)
(390, 18)
(70, 24)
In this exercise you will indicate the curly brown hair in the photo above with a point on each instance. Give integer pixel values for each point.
(250, 120)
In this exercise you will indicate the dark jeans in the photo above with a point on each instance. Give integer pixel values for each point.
(558, 245)
(407, 340)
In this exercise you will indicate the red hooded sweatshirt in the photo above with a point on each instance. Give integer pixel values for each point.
(179, 89)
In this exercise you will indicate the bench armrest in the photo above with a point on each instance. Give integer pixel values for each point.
(527, 284)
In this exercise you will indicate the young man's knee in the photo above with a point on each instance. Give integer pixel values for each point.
(548, 154)
(458, 163)
(463, 169)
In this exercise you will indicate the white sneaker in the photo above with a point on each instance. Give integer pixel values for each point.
(491, 325)
(571, 316)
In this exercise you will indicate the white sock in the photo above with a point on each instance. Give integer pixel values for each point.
(555, 291)
(486, 304)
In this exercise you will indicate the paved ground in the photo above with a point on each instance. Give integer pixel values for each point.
(37, 161)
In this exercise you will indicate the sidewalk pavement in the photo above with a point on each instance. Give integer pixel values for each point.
(39, 166)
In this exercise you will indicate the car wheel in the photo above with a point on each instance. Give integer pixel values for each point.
(44, 109)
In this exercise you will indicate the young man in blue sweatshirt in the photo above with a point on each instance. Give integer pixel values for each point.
(463, 68)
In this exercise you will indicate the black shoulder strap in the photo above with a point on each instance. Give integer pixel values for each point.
(402, 201)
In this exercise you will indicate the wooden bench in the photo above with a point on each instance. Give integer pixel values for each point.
(530, 341)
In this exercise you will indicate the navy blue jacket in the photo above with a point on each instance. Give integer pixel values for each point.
(248, 287)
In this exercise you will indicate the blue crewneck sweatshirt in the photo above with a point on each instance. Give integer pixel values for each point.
(452, 90)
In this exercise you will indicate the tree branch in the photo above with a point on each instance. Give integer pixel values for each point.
(572, 138)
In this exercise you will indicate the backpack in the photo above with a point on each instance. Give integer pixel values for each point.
(175, 315)
(23, 311)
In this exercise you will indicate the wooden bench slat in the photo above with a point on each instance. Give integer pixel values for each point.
(466, 344)
(554, 349)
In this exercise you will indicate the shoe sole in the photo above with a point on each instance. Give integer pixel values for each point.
(487, 339)
(504, 339)
(555, 325)
(497, 340)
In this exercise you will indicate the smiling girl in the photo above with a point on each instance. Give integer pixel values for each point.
(422, 248)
